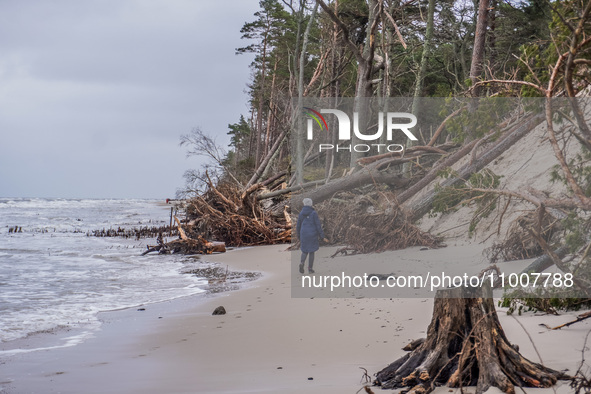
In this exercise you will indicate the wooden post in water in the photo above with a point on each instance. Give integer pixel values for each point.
(170, 225)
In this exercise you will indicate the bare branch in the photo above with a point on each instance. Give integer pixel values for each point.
(566, 203)
(344, 29)
(395, 28)
(199, 143)
(585, 202)
(442, 125)
(514, 82)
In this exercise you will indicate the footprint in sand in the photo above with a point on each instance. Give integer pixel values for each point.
(49, 375)
(98, 364)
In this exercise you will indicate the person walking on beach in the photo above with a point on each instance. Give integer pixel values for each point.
(309, 231)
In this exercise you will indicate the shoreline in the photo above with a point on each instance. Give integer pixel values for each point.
(267, 341)
(120, 325)
(65, 336)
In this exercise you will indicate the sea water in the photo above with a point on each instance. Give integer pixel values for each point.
(53, 276)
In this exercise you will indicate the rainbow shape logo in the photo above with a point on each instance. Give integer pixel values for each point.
(317, 117)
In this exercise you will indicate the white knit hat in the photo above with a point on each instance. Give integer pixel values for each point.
(307, 202)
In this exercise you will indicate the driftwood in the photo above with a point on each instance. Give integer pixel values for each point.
(186, 245)
(579, 318)
(357, 179)
(290, 189)
(181, 231)
(465, 346)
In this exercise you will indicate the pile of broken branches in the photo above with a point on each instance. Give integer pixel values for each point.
(371, 222)
(519, 243)
(185, 245)
(229, 214)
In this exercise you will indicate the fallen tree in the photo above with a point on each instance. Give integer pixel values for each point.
(233, 215)
(422, 206)
(185, 245)
(374, 170)
(545, 261)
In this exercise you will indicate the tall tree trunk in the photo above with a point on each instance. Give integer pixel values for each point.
(259, 129)
(463, 63)
(479, 41)
(424, 58)
(268, 133)
(364, 87)
(299, 162)
(293, 77)
(334, 93)
(416, 102)
(267, 159)
(251, 135)
(365, 69)
(492, 37)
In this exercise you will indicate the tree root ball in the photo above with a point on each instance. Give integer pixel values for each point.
(465, 346)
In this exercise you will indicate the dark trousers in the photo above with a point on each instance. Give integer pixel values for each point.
(310, 259)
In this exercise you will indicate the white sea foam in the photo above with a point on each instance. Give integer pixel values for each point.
(65, 342)
(64, 278)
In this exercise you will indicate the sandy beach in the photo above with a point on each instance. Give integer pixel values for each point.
(268, 342)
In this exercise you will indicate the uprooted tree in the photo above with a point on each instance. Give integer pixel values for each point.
(465, 346)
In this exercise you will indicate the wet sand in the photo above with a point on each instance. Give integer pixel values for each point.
(268, 342)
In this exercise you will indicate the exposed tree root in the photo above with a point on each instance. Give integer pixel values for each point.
(465, 346)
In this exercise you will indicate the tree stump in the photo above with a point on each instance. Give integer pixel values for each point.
(465, 346)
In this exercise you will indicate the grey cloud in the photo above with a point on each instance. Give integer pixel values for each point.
(95, 94)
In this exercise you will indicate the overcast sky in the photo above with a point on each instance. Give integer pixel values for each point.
(94, 94)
